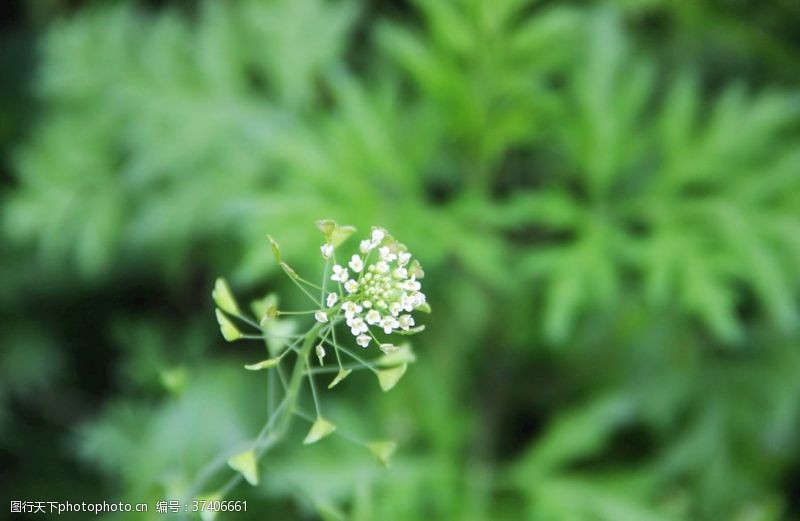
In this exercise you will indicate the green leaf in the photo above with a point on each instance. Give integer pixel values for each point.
(425, 308)
(174, 379)
(341, 234)
(402, 355)
(334, 233)
(388, 378)
(264, 364)
(326, 226)
(246, 464)
(223, 297)
(341, 375)
(229, 331)
(580, 432)
(262, 307)
(276, 250)
(416, 269)
(271, 313)
(383, 450)
(319, 430)
(209, 515)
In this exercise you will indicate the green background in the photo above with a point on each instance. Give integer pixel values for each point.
(605, 197)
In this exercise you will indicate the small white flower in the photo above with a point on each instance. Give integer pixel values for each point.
(388, 324)
(412, 284)
(407, 301)
(419, 299)
(327, 250)
(367, 304)
(321, 316)
(351, 286)
(320, 353)
(339, 274)
(350, 308)
(377, 236)
(405, 321)
(395, 308)
(373, 317)
(363, 340)
(332, 298)
(403, 257)
(381, 267)
(400, 273)
(365, 246)
(358, 326)
(386, 254)
(356, 264)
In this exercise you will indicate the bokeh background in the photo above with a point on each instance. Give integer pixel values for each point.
(605, 197)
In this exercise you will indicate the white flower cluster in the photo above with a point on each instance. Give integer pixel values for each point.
(382, 293)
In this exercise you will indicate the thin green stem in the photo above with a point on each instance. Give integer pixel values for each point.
(262, 337)
(339, 432)
(304, 281)
(369, 330)
(323, 370)
(248, 320)
(276, 426)
(304, 290)
(270, 422)
(335, 345)
(313, 388)
(369, 365)
(296, 279)
(324, 282)
(339, 284)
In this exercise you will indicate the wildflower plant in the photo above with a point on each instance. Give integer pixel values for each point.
(358, 311)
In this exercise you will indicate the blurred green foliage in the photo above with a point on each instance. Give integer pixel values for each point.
(605, 197)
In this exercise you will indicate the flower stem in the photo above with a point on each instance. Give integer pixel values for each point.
(275, 427)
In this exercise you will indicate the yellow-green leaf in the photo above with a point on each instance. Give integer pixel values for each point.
(388, 378)
(207, 514)
(341, 375)
(383, 450)
(229, 331)
(425, 308)
(278, 331)
(402, 355)
(246, 464)
(223, 297)
(319, 430)
(174, 379)
(264, 364)
(262, 306)
(326, 226)
(341, 234)
(276, 250)
(416, 270)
